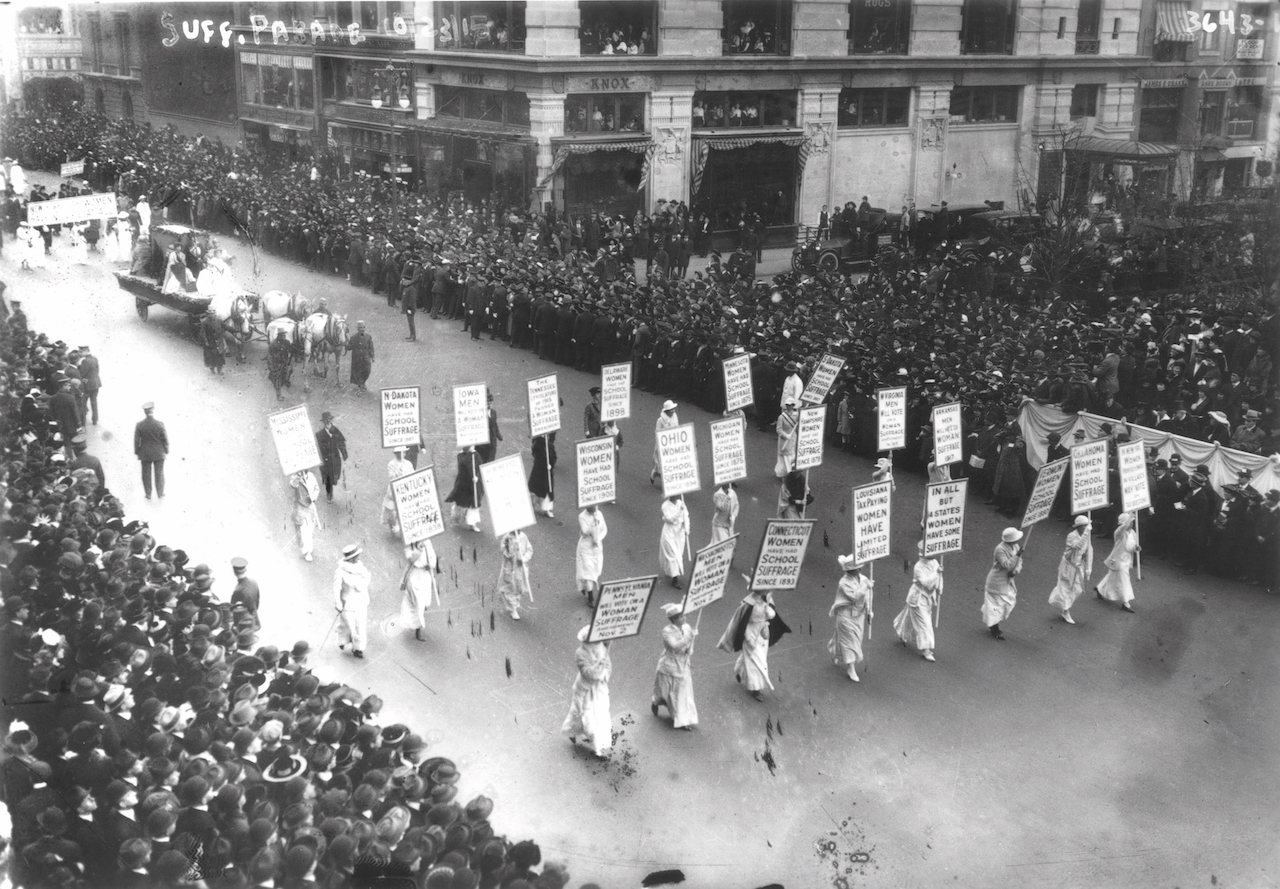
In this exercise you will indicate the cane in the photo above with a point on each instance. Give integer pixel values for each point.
(688, 550)
(1137, 539)
(528, 585)
(336, 618)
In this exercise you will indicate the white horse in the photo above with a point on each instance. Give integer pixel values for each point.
(232, 311)
(278, 304)
(323, 333)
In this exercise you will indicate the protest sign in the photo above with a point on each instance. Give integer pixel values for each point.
(400, 412)
(824, 377)
(809, 436)
(1090, 488)
(620, 608)
(891, 418)
(615, 392)
(1044, 492)
(710, 571)
(678, 460)
(295, 442)
(506, 492)
(544, 405)
(471, 414)
(738, 392)
(417, 501)
(781, 554)
(1135, 493)
(872, 512)
(948, 434)
(77, 209)
(71, 168)
(597, 479)
(728, 450)
(944, 517)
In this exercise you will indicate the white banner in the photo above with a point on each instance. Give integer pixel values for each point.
(737, 382)
(781, 554)
(809, 436)
(417, 502)
(507, 493)
(71, 168)
(872, 521)
(620, 608)
(944, 517)
(728, 450)
(891, 418)
(77, 209)
(295, 440)
(824, 377)
(615, 392)
(544, 405)
(1135, 493)
(471, 414)
(1044, 492)
(400, 412)
(948, 434)
(710, 571)
(1090, 487)
(678, 460)
(597, 472)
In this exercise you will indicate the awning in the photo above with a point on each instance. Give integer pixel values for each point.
(564, 149)
(1211, 156)
(1172, 22)
(282, 126)
(703, 146)
(1122, 151)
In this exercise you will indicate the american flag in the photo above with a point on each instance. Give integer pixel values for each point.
(333, 143)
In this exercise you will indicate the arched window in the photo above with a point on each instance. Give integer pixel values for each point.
(126, 104)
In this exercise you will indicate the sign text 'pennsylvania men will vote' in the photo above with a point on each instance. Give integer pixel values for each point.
(620, 608)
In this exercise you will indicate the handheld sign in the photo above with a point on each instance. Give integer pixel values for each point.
(948, 434)
(620, 608)
(597, 479)
(944, 517)
(678, 460)
(295, 442)
(824, 377)
(400, 411)
(417, 501)
(507, 494)
(781, 554)
(809, 435)
(738, 392)
(77, 209)
(891, 418)
(544, 405)
(615, 392)
(728, 450)
(1090, 487)
(710, 571)
(71, 168)
(1045, 491)
(872, 513)
(1135, 493)
(471, 414)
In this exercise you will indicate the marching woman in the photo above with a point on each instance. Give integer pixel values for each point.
(673, 684)
(468, 490)
(513, 577)
(25, 238)
(542, 477)
(419, 585)
(914, 623)
(1001, 593)
(589, 706)
(725, 500)
(675, 535)
(793, 495)
(589, 562)
(1075, 567)
(397, 466)
(1116, 585)
(752, 629)
(666, 420)
(787, 422)
(852, 609)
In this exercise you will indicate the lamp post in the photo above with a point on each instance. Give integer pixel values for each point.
(391, 80)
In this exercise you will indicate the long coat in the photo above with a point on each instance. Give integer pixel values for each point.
(332, 445)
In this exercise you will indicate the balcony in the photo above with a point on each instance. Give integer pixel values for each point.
(1087, 46)
(1239, 129)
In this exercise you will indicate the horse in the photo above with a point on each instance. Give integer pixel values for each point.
(278, 304)
(323, 333)
(232, 311)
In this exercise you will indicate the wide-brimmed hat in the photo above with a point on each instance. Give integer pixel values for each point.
(1011, 535)
(668, 405)
(1081, 521)
(584, 633)
(351, 551)
(884, 463)
(849, 562)
(1125, 518)
(286, 765)
(671, 609)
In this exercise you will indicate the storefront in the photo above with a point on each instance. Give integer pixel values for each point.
(497, 167)
(751, 174)
(373, 151)
(1118, 175)
(282, 143)
(606, 175)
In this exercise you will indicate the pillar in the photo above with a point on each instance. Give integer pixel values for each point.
(818, 110)
(670, 122)
(546, 121)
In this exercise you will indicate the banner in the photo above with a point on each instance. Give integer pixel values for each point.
(781, 554)
(809, 436)
(872, 520)
(948, 434)
(737, 382)
(620, 608)
(417, 502)
(507, 494)
(824, 377)
(1089, 481)
(710, 571)
(944, 517)
(71, 168)
(294, 438)
(728, 450)
(597, 473)
(544, 405)
(400, 412)
(77, 209)
(891, 418)
(471, 414)
(1044, 492)
(678, 460)
(615, 392)
(1135, 493)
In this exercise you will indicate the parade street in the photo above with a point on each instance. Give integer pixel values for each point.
(1128, 750)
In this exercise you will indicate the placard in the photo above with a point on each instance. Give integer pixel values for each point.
(824, 377)
(711, 566)
(891, 418)
(615, 392)
(71, 168)
(872, 521)
(1089, 482)
(417, 501)
(728, 450)
(678, 460)
(948, 434)
(78, 209)
(620, 608)
(295, 440)
(597, 471)
(1044, 492)
(944, 516)
(400, 416)
(471, 414)
(507, 494)
(809, 436)
(738, 392)
(1135, 493)
(781, 554)
(544, 405)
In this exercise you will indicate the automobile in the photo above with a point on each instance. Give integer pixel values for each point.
(1005, 227)
(960, 215)
(846, 250)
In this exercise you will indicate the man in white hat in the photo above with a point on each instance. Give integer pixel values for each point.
(666, 420)
(351, 599)
(1001, 593)
(1075, 568)
(397, 467)
(853, 609)
(673, 684)
(787, 423)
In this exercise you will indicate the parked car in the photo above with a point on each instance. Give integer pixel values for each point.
(846, 251)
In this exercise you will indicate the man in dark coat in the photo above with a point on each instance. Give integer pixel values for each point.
(1195, 518)
(565, 318)
(583, 327)
(64, 410)
(545, 326)
(522, 308)
(90, 374)
(332, 445)
(361, 346)
(391, 276)
(151, 447)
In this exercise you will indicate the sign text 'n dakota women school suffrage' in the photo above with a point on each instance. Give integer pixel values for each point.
(400, 425)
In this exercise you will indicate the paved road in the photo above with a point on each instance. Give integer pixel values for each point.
(1130, 750)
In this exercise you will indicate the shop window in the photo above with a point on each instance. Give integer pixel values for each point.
(40, 20)
(879, 26)
(1170, 51)
(604, 113)
(278, 81)
(775, 108)
(618, 27)
(988, 27)
(122, 43)
(480, 26)
(352, 80)
(1084, 100)
(985, 104)
(1088, 27)
(1213, 105)
(249, 79)
(1251, 32)
(874, 108)
(762, 27)
(1158, 117)
(508, 109)
(1243, 111)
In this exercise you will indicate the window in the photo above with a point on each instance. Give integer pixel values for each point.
(346, 13)
(1251, 33)
(368, 16)
(95, 42)
(1159, 115)
(1243, 109)
(775, 108)
(985, 104)
(1211, 41)
(1213, 104)
(618, 27)
(757, 26)
(122, 43)
(879, 26)
(987, 27)
(1170, 51)
(604, 113)
(351, 80)
(1084, 100)
(278, 81)
(492, 107)
(874, 108)
(40, 20)
(480, 26)
(1088, 27)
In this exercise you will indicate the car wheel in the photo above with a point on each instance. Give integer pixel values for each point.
(797, 262)
(829, 262)
(142, 306)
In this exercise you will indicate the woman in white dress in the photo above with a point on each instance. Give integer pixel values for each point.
(589, 562)
(675, 533)
(419, 585)
(673, 683)
(852, 609)
(79, 249)
(786, 453)
(914, 623)
(666, 420)
(398, 466)
(1116, 585)
(1075, 567)
(25, 238)
(748, 634)
(1000, 593)
(589, 707)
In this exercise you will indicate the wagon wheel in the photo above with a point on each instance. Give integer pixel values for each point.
(142, 306)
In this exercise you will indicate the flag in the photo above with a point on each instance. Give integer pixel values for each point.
(333, 143)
